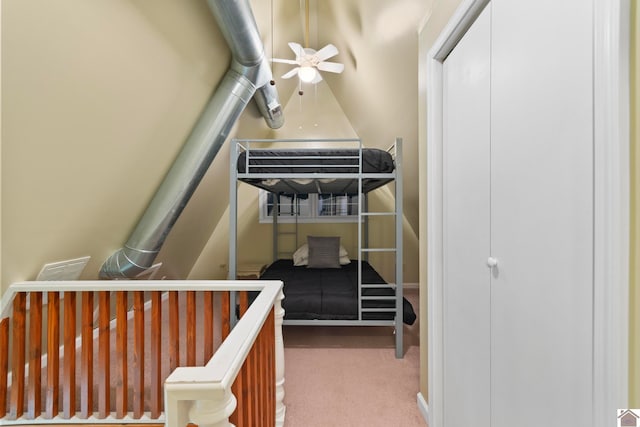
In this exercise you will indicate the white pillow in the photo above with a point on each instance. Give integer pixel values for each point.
(344, 260)
(301, 256)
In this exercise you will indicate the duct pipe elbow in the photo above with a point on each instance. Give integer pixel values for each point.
(266, 96)
(237, 24)
(267, 101)
(121, 264)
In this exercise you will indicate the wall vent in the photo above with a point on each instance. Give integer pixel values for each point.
(63, 270)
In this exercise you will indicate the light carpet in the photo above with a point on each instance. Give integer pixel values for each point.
(349, 376)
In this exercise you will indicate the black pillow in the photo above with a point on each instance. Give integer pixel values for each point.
(324, 252)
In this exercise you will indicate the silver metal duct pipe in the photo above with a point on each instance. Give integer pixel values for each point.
(249, 72)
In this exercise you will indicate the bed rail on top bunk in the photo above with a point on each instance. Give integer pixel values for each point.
(307, 164)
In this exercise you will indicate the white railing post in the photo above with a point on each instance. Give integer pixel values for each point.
(213, 413)
(175, 412)
(279, 316)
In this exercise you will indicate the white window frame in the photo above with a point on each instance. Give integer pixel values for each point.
(311, 216)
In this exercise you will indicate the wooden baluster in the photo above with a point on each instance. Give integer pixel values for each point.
(272, 370)
(249, 408)
(241, 390)
(104, 376)
(240, 387)
(69, 384)
(86, 361)
(249, 391)
(156, 355)
(256, 380)
(253, 384)
(269, 416)
(191, 328)
(208, 324)
(260, 379)
(279, 360)
(121, 351)
(264, 371)
(18, 355)
(246, 411)
(244, 399)
(4, 364)
(138, 354)
(225, 318)
(53, 354)
(174, 331)
(236, 389)
(34, 392)
(244, 302)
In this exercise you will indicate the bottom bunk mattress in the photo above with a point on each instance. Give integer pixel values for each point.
(332, 293)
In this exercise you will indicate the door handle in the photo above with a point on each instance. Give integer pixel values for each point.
(492, 262)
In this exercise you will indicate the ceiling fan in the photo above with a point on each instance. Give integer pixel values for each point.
(310, 62)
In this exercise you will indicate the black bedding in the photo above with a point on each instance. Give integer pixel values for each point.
(332, 293)
(317, 161)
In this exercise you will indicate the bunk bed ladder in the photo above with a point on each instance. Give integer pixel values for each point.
(280, 234)
(369, 304)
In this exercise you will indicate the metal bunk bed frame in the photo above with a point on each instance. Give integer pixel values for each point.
(240, 145)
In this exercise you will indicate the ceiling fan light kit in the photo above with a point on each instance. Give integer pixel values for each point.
(309, 63)
(307, 74)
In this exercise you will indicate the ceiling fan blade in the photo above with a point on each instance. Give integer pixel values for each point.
(326, 52)
(317, 78)
(297, 49)
(284, 61)
(333, 67)
(291, 73)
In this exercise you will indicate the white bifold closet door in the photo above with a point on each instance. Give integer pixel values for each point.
(518, 191)
(466, 222)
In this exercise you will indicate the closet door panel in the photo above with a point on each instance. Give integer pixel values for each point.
(542, 213)
(466, 228)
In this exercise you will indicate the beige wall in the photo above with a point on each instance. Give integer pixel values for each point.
(94, 113)
(379, 46)
(634, 300)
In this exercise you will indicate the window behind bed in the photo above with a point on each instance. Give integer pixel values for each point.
(309, 208)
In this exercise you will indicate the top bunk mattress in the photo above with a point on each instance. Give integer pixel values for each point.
(313, 162)
(320, 161)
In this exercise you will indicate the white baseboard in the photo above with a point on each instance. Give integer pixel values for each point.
(423, 407)
(415, 285)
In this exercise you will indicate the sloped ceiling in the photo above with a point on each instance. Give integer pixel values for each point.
(378, 90)
(98, 97)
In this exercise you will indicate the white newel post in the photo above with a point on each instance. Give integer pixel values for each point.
(279, 316)
(213, 413)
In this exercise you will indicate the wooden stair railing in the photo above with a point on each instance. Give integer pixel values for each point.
(108, 358)
(246, 371)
